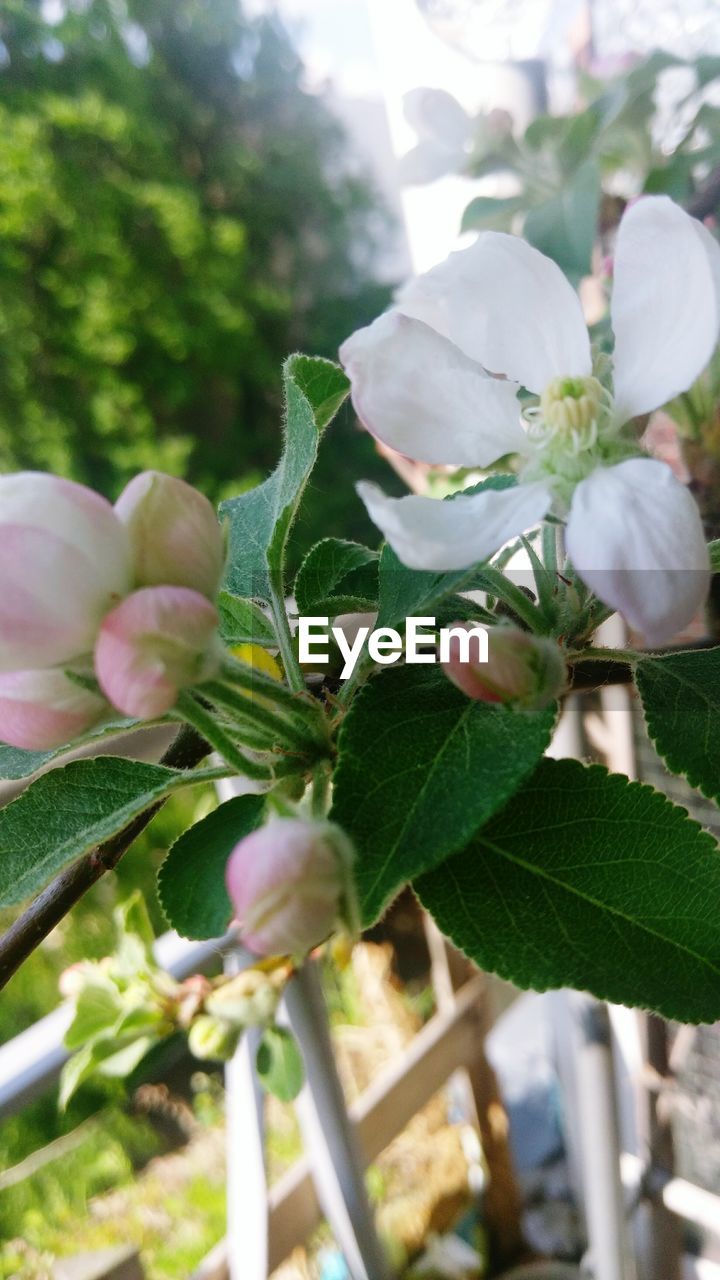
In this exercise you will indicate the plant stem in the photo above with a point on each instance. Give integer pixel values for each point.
(498, 585)
(246, 677)
(293, 670)
(190, 710)
(630, 656)
(363, 665)
(284, 730)
(320, 793)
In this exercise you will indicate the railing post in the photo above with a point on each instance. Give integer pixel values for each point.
(247, 1189)
(611, 1258)
(328, 1136)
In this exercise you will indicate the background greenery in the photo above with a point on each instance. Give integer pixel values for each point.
(176, 214)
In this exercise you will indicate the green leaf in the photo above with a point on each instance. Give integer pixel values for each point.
(588, 880)
(337, 577)
(546, 132)
(259, 521)
(673, 178)
(565, 227)
(70, 810)
(243, 622)
(488, 213)
(97, 1009)
(126, 1057)
(191, 881)
(421, 768)
(279, 1064)
(707, 68)
(102, 1056)
(579, 138)
(16, 764)
(407, 593)
(136, 937)
(680, 694)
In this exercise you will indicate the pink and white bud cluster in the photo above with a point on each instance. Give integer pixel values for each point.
(124, 594)
(523, 671)
(289, 884)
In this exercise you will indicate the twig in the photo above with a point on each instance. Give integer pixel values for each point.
(49, 908)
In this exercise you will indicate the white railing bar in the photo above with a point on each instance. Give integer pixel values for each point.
(693, 1204)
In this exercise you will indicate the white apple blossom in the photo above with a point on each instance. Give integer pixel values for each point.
(444, 131)
(438, 377)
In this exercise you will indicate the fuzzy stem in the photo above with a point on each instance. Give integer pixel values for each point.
(190, 710)
(293, 670)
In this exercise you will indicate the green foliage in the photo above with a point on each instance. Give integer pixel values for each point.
(279, 1064)
(588, 880)
(70, 810)
(242, 622)
(681, 699)
(337, 577)
(413, 593)
(564, 228)
(564, 163)
(176, 214)
(191, 883)
(259, 521)
(120, 1007)
(93, 1155)
(421, 768)
(16, 764)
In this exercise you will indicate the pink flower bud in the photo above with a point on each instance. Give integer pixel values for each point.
(158, 641)
(65, 562)
(44, 709)
(174, 534)
(522, 670)
(287, 882)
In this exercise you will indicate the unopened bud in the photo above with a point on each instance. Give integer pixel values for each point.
(288, 882)
(44, 709)
(249, 1000)
(174, 534)
(65, 562)
(499, 122)
(522, 670)
(75, 978)
(213, 1039)
(158, 641)
(191, 997)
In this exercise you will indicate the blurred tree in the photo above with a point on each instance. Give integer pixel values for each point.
(176, 214)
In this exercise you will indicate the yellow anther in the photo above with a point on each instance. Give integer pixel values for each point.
(571, 407)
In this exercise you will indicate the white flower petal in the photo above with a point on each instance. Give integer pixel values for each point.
(426, 533)
(507, 306)
(428, 161)
(665, 305)
(635, 537)
(437, 115)
(418, 393)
